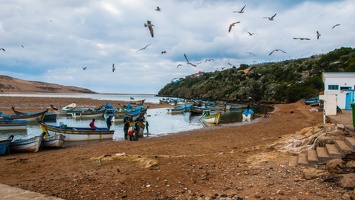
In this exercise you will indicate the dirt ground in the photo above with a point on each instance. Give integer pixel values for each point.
(218, 162)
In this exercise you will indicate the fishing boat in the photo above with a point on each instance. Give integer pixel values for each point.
(87, 114)
(15, 124)
(311, 101)
(53, 141)
(197, 110)
(49, 116)
(4, 145)
(119, 116)
(29, 117)
(77, 133)
(247, 114)
(176, 110)
(211, 118)
(32, 144)
(137, 102)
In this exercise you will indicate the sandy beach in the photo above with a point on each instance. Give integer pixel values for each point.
(234, 161)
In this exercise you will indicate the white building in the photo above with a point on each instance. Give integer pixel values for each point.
(338, 91)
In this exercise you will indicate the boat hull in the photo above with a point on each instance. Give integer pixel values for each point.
(212, 119)
(54, 141)
(13, 124)
(78, 133)
(26, 145)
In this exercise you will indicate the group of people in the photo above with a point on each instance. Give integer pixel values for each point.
(129, 134)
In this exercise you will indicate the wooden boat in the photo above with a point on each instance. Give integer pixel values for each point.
(176, 110)
(211, 118)
(50, 116)
(247, 114)
(77, 133)
(197, 110)
(4, 145)
(137, 102)
(118, 117)
(311, 101)
(29, 117)
(16, 124)
(87, 114)
(53, 141)
(26, 145)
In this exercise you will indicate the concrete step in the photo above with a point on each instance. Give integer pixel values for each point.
(351, 142)
(343, 147)
(302, 159)
(312, 156)
(293, 161)
(323, 155)
(333, 151)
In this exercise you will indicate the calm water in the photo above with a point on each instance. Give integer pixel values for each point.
(160, 123)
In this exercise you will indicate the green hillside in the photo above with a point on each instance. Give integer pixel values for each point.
(274, 82)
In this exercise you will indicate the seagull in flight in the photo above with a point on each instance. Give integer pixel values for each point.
(150, 27)
(241, 11)
(113, 67)
(250, 34)
(271, 18)
(22, 46)
(143, 48)
(209, 60)
(318, 35)
(2, 49)
(335, 26)
(188, 62)
(163, 52)
(178, 65)
(250, 53)
(276, 50)
(84, 68)
(158, 9)
(231, 25)
(301, 38)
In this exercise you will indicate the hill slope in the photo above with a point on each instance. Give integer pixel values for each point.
(10, 85)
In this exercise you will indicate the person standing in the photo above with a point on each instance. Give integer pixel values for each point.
(136, 130)
(125, 127)
(109, 122)
(92, 124)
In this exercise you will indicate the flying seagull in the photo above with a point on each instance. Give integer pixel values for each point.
(271, 18)
(113, 67)
(231, 25)
(241, 11)
(301, 38)
(143, 48)
(250, 34)
(188, 62)
(276, 50)
(158, 9)
(2, 49)
(335, 26)
(318, 35)
(84, 68)
(163, 52)
(209, 60)
(22, 46)
(150, 27)
(250, 53)
(178, 65)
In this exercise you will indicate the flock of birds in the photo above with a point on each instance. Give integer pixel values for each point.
(149, 25)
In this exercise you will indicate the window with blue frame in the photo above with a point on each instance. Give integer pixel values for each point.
(333, 87)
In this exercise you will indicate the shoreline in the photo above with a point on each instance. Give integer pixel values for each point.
(218, 160)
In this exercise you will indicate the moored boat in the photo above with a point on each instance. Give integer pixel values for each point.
(87, 114)
(49, 116)
(176, 110)
(247, 114)
(77, 133)
(16, 124)
(211, 118)
(38, 116)
(137, 102)
(4, 145)
(26, 145)
(53, 141)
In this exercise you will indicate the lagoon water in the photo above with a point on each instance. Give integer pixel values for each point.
(160, 122)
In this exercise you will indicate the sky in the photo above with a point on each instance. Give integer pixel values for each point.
(53, 41)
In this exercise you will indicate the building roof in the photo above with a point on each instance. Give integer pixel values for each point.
(337, 75)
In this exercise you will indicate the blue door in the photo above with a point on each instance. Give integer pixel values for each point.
(349, 100)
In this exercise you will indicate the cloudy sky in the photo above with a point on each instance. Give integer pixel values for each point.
(52, 40)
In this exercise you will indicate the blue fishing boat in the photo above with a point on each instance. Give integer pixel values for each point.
(176, 110)
(311, 101)
(15, 124)
(32, 144)
(49, 116)
(247, 114)
(4, 145)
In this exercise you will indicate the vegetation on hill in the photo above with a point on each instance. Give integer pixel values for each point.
(274, 82)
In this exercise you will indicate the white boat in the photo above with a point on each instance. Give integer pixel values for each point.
(26, 145)
(53, 141)
(87, 114)
(247, 114)
(15, 124)
(211, 118)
